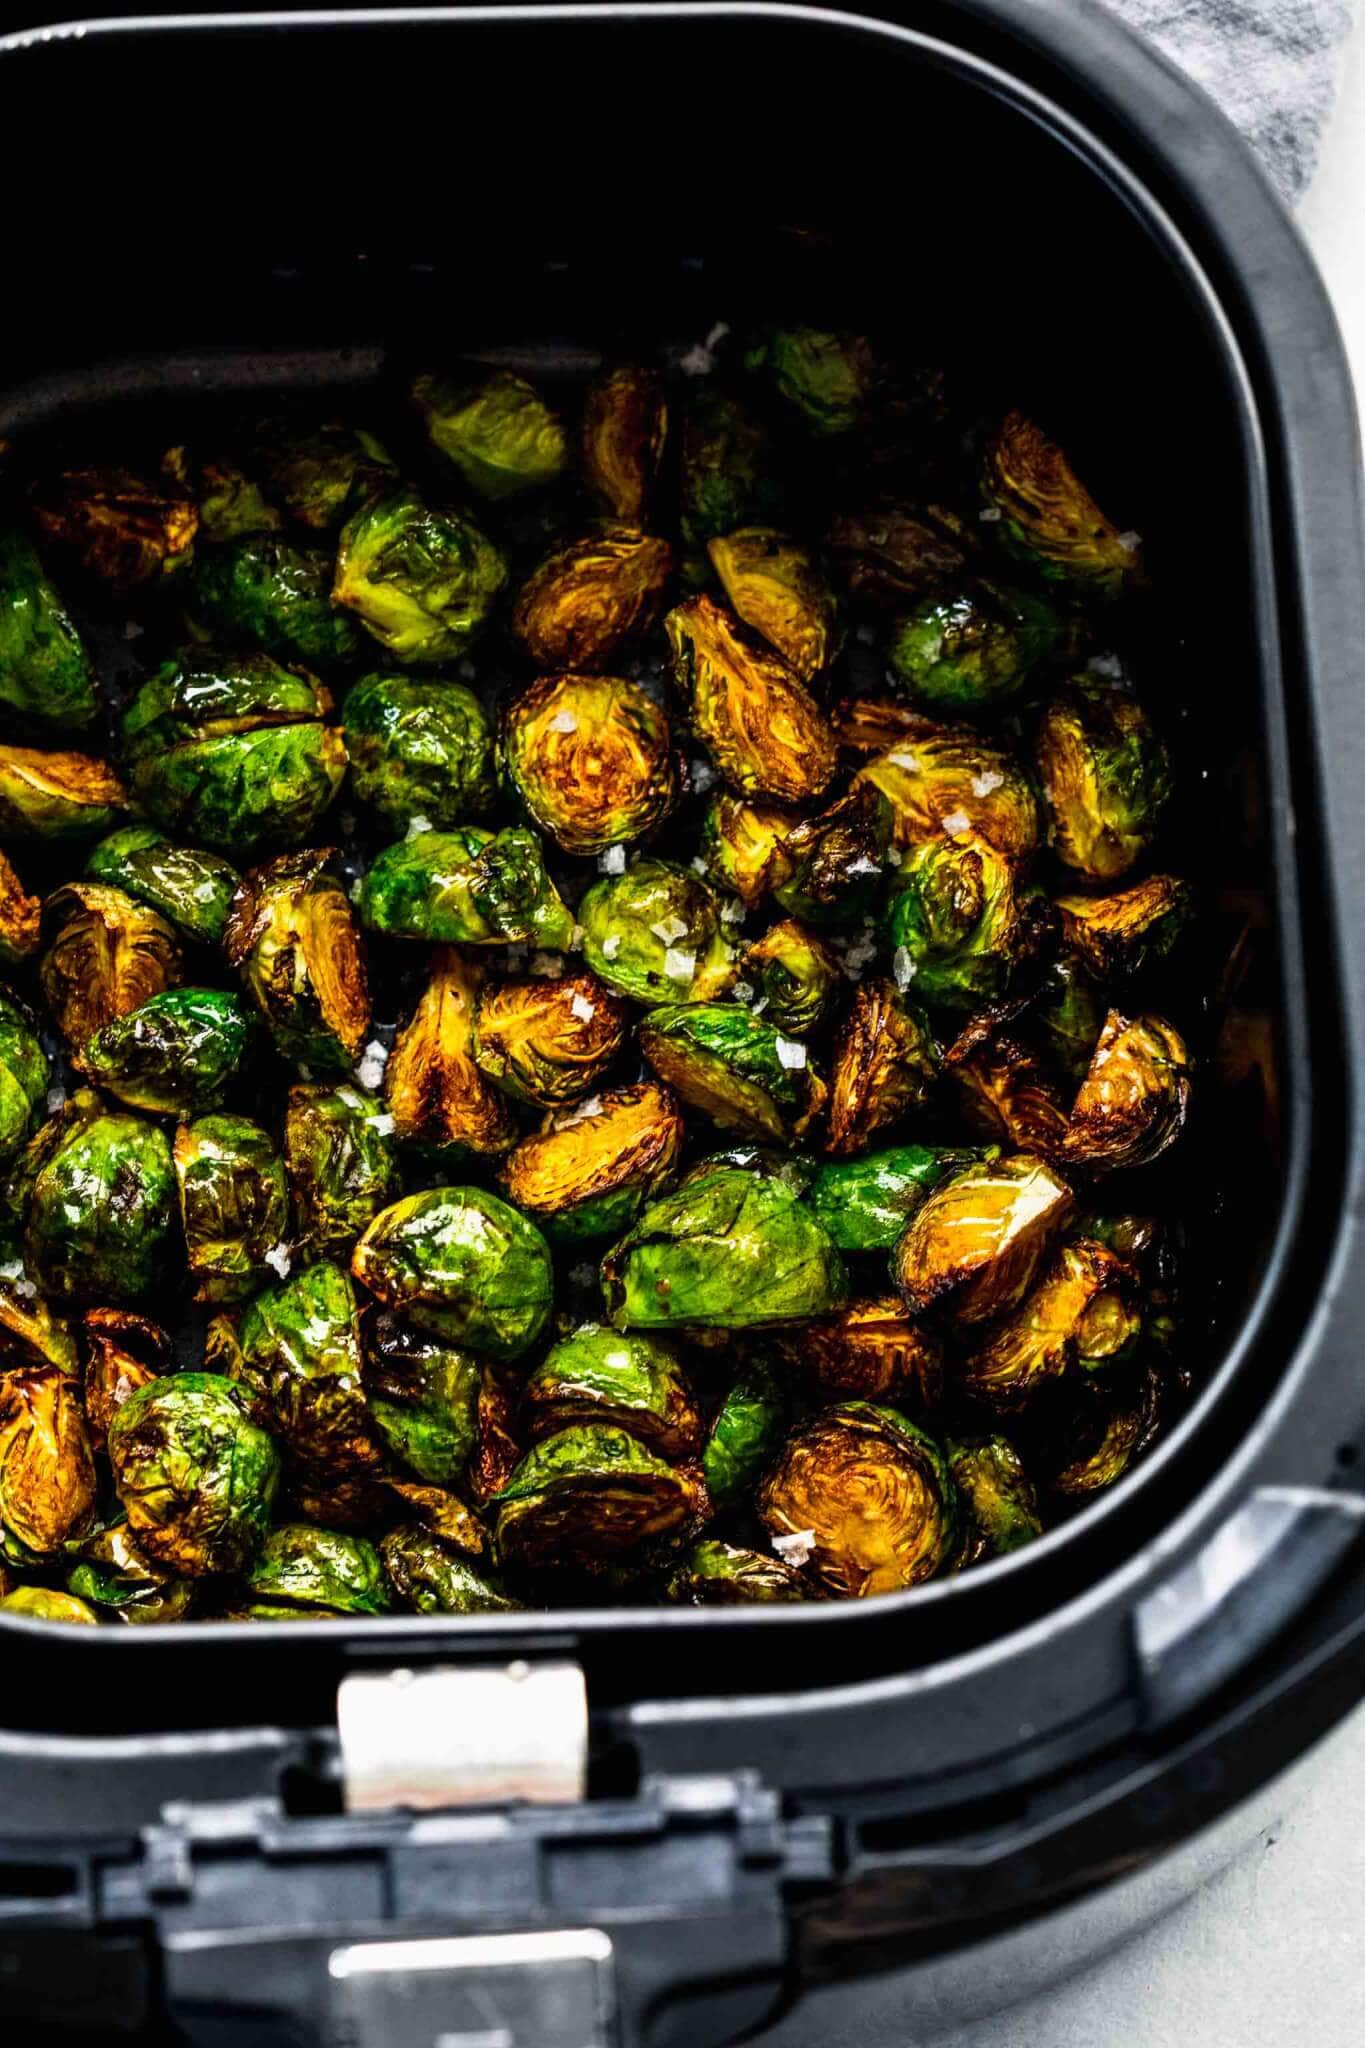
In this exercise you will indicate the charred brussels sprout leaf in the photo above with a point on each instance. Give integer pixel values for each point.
(871, 1496)
(424, 1399)
(775, 587)
(304, 1570)
(130, 532)
(123, 1352)
(45, 672)
(1124, 932)
(293, 940)
(23, 1077)
(591, 596)
(836, 860)
(340, 1161)
(592, 760)
(940, 780)
(174, 1055)
(99, 1189)
(548, 1042)
(608, 1376)
(261, 590)
(1067, 1014)
(794, 976)
(57, 795)
(421, 582)
(865, 1204)
(230, 502)
(977, 1240)
(20, 918)
(872, 1351)
(195, 1476)
(45, 1603)
(114, 1576)
(233, 1204)
(996, 1494)
(1112, 1428)
(321, 473)
(498, 432)
(47, 1470)
(1006, 1095)
(957, 922)
(1133, 1101)
(438, 1098)
(885, 1064)
(744, 846)
(106, 956)
(764, 730)
(1047, 517)
(972, 651)
(469, 887)
(743, 1436)
(657, 934)
(625, 426)
(419, 749)
(830, 379)
(589, 1493)
(191, 889)
(588, 1178)
(723, 1575)
(30, 1334)
(462, 1264)
(430, 1578)
(894, 552)
(1083, 1312)
(1104, 775)
(735, 1067)
(298, 1360)
(728, 473)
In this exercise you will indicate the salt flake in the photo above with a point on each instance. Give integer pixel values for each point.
(55, 1098)
(791, 1053)
(279, 1258)
(383, 1124)
(990, 514)
(416, 827)
(956, 823)
(903, 967)
(612, 861)
(797, 1548)
(679, 966)
(582, 1008)
(611, 947)
(564, 721)
(547, 966)
(670, 928)
(703, 776)
(989, 779)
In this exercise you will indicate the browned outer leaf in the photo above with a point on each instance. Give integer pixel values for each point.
(497, 1450)
(127, 530)
(1007, 1096)
(106, 956)
(549, 1041)
(122, 1352)
(47, 1471)
(436, 1094)
(1133, 1101)
(766, 733)
(20, 916)
(625, 425)
(588, 598)
(882, 1068)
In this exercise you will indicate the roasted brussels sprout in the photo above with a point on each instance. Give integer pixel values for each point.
(1047, 517)
(743, 1436)
(1006, 1095)
(723, 1575)
(837, 859)
(123, 1352)
(233, 1204)
(469, 887)
(233, 750)
(590, 1493)
(128, 531)
(548, 1042)
(298, 1361)
(1133, 1101)
(728, 1250)
(291, 936)
(419, 749)
(974, 650)
(1112, 1428)
(45, 672)
(598, 1375)
(885, 1064)
(436, 1509)
(438, 1098)
(592, 760)
(763, 729)
(1067, 1014)
(996, 1495)
(657, 934)
(30, 1333)
(589, 1178)
(230, 502)
(892, 552)
(194, 1475)
(728, 476)
(301, 1569)
(462, 1264)
(870, 1351)
(96, 1189)
(23, 1077)
(735, 1067)
(743, 846)
(977, 1240)
(957, 923)
(794, 975)
(341, 1164)
(1083, 1313)
(261, 590)
(870, 1497)
(47, 1470)
(430, 1578)
(1104, 775)
(591, 596)
(421, 583)
(176, 1054)
(57, 795)
(192, 890)
(1121, 933)
(45, 1603)
(114, 1576)
(625, 426)
(940, 780)
(424, 1398)
(321, 473)
(20, 918)
(865, 1204)
(106, 956)
(498, 431)
(773, 584)
(830, 379)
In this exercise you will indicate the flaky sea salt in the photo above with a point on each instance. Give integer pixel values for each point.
(547, 966)
(732, 911)
(990, 514)
(670, 928)
(383, 1124)
(697, 864)
(1130, 542)
(611, 947)
(903, 967)
(564, 721)
(743, 991)
(55, 1098)
(417, 826)
(867, 634)
(988, 780)
(1107, 665)
(132, 631)
(582, 1008)
(679, 966)
(369, 1068)
(956, 823)
(279, 1259)
(703, 777)
(612, 861)
(797, 1548)
(12, 1269)
(790, 1053)
(863, 865)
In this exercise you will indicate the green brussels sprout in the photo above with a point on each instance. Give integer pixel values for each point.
(892, 552)
(943, 781)
(45, 1603)
(837, 859)
(127, 531)
(230, 502)
(234, 1207)
(438, 1098)
(234, 750)
(590, 1493)
(424, 1399)
(194, 1475)
(743, 1436)
(1006, 1095)
(996, 1494)
(113, 1576)
(301, 1569)
(24, 1077)
(30, 1332)
(1112, 1427)
(96, 1189)
(1133, 1101)
(589, 1178)
(1047, 517)
(437, 1510)
(106, 956)
(830, 379)
(429, 1578)
(735, 1067)
(590, 597)
(973, 650)
(292, 938)
(885, 1065)
(957, 923)
(419, 749)
(298, 1361)
(871, 1351)
(470, 887)
(744, 846)
(341, 1163)
(598, 1375)
(722, 1575)
(865, 1203)
(775, 587)
(728, 476)
(548, 1042)
(1083, 1314)
(191, 889)
(1105, 777)
(592, 759)
(321, 473)
(657, 934)
(794, 975)
(759, 722)
(625, 426)
(20, 918)
(728, 1250)
(47, 1469)
(57, 795)
(421, 583)
(123, 1352)
(1122, 933)
(261, 590)
(175, 1055)
(978, 1238)
(461, 1264)
(45, 672)
(498, 431)
(1067, 1014)
(866, 1499)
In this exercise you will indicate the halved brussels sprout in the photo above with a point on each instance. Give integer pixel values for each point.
(20, 917)
(496, 429)
(191, 889)
(1133, 1101)
(1112, 1427)
(470, 887)
(1105, 777)
(1123, 932)
(421, 583)
(1006, 1095)
(106, 956)
(45, 1603)
(977, 1240)
(548, 1042)
(1067, 1013)
(591, 596)
(589, 1178)
(774, 585)
(292, 938)
(298, 1361)
(436, 1509)
(97, 1190)
(598, 1375)
(974, 650)
(941, 780)
(869, 1351)
(195, 1476)
(589, 1493)
(865, 1204)
(737, 1068)
(47, 1469)
(429, 1578)
(893, 552)
(728, 475)
(437, 1097)
(261, 590)
(496, 1448)
(320, 473)
(175, 1054)
(837, 859)
(57, 795)
(230, 502)
(113, 1575)
(723, 1575)
(885, 1064)
(744, 846)
(728, 1250)
(743, 1436)
(233, 749)
(957, 922)
(341, 1162)
(128, 531)
(30, 1333)
(996, 1495)
(1047, 517)
(830, 379)
(592, 759)
(1084, 1313)
(419, 748)
(460, 1263)
(658, 934)
(763, 729)
(23, 1076)
(871, 1496)
(301, 1569)
(45, 672)
(424, 1399)
(794, 975)
(625, 426)
(233, 1204)
(123, 1352)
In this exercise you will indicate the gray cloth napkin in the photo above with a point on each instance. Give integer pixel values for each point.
(1272, 66)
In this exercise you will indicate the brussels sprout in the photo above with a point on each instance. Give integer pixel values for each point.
(836, 860)
(437, 1510)
(47, 1470)
(589, 1493)
(885, 1064)
(20, 918)
(429, 1578)
(106, 956)
(829, 378)
(743, 1436)
(878, 725)
(589, 1178)
(23, 1077)
(341, 1164)
(1047, 517)
(305, 1570)
(957, 922)
(735, 1067)
(354, 1501)
(45, 672)
(291, 936)
(44, 1603)
(1133, 1101)
(498, 431)
(469, 887)
(722, 1575)
(728, 1250)
(1067, 1013)
(764, 730)
(421, 582)
(973, 650)
(192, 890)
(130, 532)
(891, 552)
(437, 1096)
(728, 478)
(260, 590)
(230, 502)
(940, 780)
(548, 1042)
(321, 473)
(97, 1189)
(233, 749)
(609, 1376)
(460, 1263)
(869, 1351)
(794, 975)
(1122, 933)
(870, 1496)
(423, 1397)
(775, 587)
(1005, 1095)
(496, 1448)
(298, 1362)
(977, 1240)
(744, 846)
(123, 1352)
(195, 1476)
(657, 934)
(1104, 775)
(590, 596)
(112, 1574)
(175, 1054)
(57, 795)
(30, 1333)
(1083, 1313)
(592, 760)
(419, 749)
(1115, 1425)
(233, 1204)
(996, 1495)
(625, 426)
(865, 1204)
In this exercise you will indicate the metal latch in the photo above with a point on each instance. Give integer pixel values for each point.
(552, 1989)
(464, 1735)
